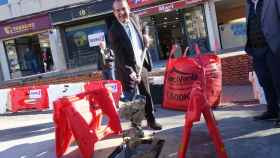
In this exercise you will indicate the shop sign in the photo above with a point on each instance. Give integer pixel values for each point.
(19, 28)
(35, 94)
(95, 39)
(82, 11)
(166, 7)
(9, 29)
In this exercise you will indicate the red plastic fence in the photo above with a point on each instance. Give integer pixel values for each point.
(194, 85)
(69, 122)
(198, 105)
(182, 72)
(114, 86)
(213, 76)
(34, 97)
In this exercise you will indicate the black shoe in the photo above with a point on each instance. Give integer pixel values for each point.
(266, 116)
(154, 125)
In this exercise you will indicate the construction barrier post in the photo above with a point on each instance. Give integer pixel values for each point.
(70, 122)
(197, 106)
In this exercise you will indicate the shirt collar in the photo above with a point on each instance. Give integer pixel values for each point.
(254, 1)
(125, 24)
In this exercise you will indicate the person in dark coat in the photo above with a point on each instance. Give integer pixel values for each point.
(31, 60)
(106, 62)
(263, 44)
(128, 38)
(47, 59)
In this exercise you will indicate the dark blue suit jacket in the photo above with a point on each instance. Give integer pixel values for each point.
(270, 24)
(125, 62)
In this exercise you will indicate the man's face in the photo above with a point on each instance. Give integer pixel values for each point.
(121, 11)
(102, 45)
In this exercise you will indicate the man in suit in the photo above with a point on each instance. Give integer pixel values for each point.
(263, 44)
(128, 38)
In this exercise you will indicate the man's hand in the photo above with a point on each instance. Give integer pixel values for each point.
(147, 40)
(134, 77)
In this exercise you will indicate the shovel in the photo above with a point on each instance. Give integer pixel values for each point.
(134, 109)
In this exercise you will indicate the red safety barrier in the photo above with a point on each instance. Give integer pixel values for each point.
(198, 105)
(84, 126)
(183, 71)
(114, 86)
(213, 74)
(34, 97)
(180, 74)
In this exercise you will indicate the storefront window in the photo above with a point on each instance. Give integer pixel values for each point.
(183, 27)
(166, 29)
(13, 58)
(232, 24)
(46, 51)
(153, 49)
(29, 55)
(233, 34)
(81, 42)
(196, 27)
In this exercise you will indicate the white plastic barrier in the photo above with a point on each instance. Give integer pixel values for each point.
(257, 89)
(156, 80)
(54, 92)
(60, 90)
(4, 100)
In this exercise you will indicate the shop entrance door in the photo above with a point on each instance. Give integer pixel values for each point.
(170, 30)
(184, 27)
(196, 29)
(28, 51)
(29, 55)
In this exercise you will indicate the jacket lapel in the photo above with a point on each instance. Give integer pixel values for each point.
(137, 28)
(123, 34)
(265, 6)
(124, 40)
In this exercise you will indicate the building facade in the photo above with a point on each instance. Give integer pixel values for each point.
(81, 27)
(183, 22)
(72, 28)
(231, 23)
(26, 46)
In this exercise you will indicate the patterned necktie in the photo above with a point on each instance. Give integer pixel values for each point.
(128, 31)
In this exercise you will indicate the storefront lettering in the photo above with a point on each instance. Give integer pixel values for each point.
(166, 8)
(178, 96)
(181, 78)
(96, 38)
(19, 28)
(180, 4)
(82, 12)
